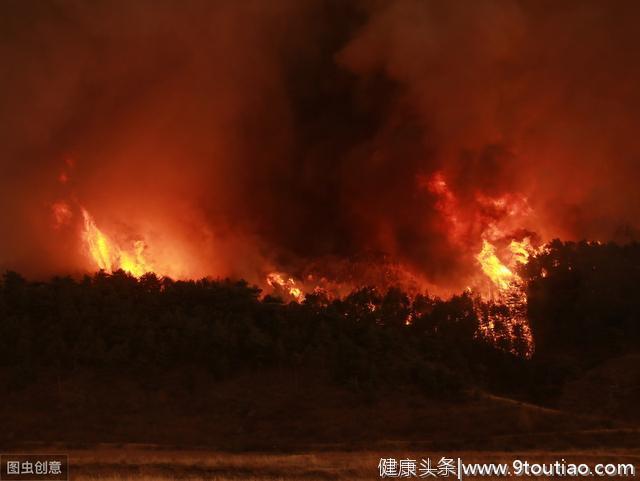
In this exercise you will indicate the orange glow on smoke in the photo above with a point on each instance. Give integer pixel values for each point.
(62, 214)
(497, 222)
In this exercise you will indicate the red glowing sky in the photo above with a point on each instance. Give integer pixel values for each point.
(238, 138)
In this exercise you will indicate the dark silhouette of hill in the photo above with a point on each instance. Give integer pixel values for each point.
(113, 358)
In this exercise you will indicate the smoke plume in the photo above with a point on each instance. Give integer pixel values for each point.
(323, 138)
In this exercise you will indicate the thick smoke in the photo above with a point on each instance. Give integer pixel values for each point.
(240, 137)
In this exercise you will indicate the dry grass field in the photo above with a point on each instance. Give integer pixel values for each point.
(247, 438)
(269, 429)
(146, 464)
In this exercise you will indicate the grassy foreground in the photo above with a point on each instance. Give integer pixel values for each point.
(149, 463)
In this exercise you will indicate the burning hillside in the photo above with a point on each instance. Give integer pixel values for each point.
(317, 146)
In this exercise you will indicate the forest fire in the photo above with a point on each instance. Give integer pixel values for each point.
(494, 280)
(282, 283)
(501, 292)
(497, 221)
(232, 228)
(491, 265)
(510, 295)
(232, 162)
(500, 274)
(108, 256)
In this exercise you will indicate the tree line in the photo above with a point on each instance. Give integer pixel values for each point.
(582, 307)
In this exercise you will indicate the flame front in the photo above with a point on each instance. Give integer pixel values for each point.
(501, 291)
(97, 243)
(499, 274)
(279, 281)
(502, 297)
(510, 291)
(108, 256)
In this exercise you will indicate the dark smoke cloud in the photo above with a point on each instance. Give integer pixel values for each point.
(262, 135)
(551, 84)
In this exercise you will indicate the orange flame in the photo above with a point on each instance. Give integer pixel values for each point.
(492, 266)
(511, 290)
(109, 256)
(494, 220)
(278, 280)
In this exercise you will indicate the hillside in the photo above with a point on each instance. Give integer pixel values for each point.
(290, 411)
